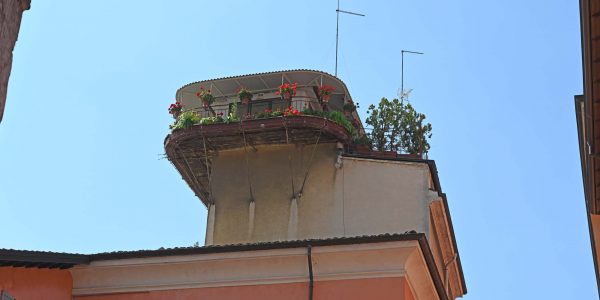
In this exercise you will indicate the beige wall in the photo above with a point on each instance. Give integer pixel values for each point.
(363, 197)
(359, 289)
(383, 270)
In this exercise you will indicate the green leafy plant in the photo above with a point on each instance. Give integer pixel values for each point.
(339, 118)
(186, 119)
(232, 116)
(244, 94)
(397, 126)
(211, 120)
(416, 134)
(361, 140)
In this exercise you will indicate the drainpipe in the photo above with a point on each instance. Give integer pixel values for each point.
(446, 272)
(310, 272)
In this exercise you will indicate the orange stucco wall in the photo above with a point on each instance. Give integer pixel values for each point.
(376, 288)
(34, 283)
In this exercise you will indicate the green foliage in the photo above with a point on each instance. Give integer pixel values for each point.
(397, 126)
(335, 116)
(339, 118)
(187, 119)
(190, 118)
(244, 93)
(211, 120)
(233, 111)
(361, 140)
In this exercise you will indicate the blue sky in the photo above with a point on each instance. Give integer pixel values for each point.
(81, 139)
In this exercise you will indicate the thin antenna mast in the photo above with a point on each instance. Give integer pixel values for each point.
(337, 31)
(402, 75)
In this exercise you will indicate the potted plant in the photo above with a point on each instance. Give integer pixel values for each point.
(175, 109)
(287, 91)
(205, 96)
(325, 93)
(350, 107)
(245, 95)
(291, 111)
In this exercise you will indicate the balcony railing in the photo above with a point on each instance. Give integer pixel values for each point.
(257, 107)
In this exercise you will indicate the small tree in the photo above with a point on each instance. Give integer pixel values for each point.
(397, 126)
(416, 134)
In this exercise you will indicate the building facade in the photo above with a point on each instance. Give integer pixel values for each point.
(295, 208)
(587, 110)
(11, 12)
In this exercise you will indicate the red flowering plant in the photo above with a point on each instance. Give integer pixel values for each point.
(205, 96)
(287, 91)
(325, 92)
(175, 109)
(291, 111)
(244, 94)
(265, 114)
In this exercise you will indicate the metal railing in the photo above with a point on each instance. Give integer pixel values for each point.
(256, 107)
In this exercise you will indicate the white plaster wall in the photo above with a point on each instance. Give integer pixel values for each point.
(384, 196)
(364, 197)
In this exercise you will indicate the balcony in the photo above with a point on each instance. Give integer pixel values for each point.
(227, 123)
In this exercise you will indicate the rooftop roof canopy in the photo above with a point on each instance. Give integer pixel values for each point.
(228, 86)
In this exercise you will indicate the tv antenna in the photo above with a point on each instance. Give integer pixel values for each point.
(402, 75)
(337, 30)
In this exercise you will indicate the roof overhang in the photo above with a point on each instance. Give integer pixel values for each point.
(268, 81)
(587, 109)
(40, 259)
(383, 256)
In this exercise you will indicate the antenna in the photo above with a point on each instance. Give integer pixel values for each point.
(337, 30)
(402, 75)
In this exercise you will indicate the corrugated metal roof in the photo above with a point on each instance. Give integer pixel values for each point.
(283, 72)
(409, 235)
(41, 259)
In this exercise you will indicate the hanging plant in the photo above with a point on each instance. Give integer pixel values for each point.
(245, 95)
(287, 91)
(350, 107)
(325, 93)
(205, 96)
(175, 109)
